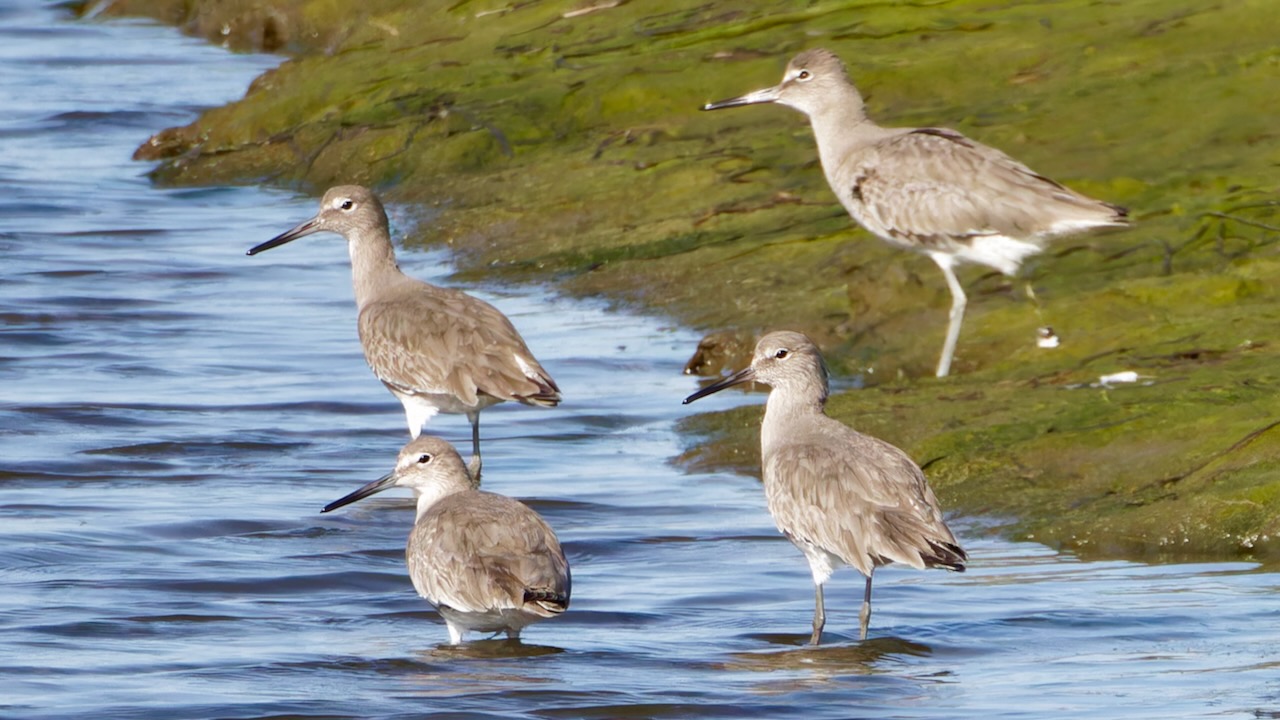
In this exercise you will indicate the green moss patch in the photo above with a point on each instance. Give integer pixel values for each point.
(562, 142)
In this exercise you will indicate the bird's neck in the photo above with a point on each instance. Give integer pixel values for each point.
(373, 265)
(435, 492)
(783, 412)
(840, 126)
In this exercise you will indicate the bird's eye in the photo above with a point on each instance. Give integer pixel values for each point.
(346, 204)
(804, 75)
(782, 354)
(424, 458)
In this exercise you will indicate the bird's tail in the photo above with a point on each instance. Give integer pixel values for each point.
(1091, 214)
(1121, 216)
(550, 601)
(946, 555)
(548, 394)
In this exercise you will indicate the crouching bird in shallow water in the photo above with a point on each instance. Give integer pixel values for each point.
(842, 497)
(487, 562)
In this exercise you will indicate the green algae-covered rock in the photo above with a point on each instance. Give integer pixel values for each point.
(562, 141)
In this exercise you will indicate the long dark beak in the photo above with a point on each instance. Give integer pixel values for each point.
(305, 228)
(746, 374)
(766, 95)
(377, 486)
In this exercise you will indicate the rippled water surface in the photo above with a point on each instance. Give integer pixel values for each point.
(173, 415)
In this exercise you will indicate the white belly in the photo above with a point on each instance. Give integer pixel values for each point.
(421, 407)
(821, 562)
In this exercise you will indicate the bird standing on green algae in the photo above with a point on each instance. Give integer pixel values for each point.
(842, 497)
(930, 190)
(436, 349)
(487, 562)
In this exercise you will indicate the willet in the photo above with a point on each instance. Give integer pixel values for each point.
(485, 561)
(436, 349)
(842, 497)
(930, 190)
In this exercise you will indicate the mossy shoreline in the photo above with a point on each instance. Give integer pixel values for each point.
(561, 142)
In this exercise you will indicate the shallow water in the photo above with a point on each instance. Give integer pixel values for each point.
(174, 414)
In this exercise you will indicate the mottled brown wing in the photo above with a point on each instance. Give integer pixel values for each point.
(868, 506)
(932, 183)
(451, 342)
(480, 551)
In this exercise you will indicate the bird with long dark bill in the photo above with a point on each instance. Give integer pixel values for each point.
(436, 349)
(842, 497)
(487, 562)
(929, 190)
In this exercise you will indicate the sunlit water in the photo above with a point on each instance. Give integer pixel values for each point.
(174, 414)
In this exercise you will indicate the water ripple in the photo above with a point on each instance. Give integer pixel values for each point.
(174, 416)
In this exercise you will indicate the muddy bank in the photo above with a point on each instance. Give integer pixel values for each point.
(561, 142)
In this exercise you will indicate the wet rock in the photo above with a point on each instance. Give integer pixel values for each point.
(721, 351)
(237, 24)
(168, 143)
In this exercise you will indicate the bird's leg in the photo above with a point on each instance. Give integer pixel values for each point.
(473, 467)
(456, 633)
(1045, 336)
(1030, 292)
(958, 301)
(819, 615)
(864, 617)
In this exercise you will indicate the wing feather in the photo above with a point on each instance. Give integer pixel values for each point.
(449, 342)
(934, 185)
(479, 551)
(869, 506)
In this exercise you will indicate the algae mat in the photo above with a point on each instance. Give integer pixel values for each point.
(561, 142)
